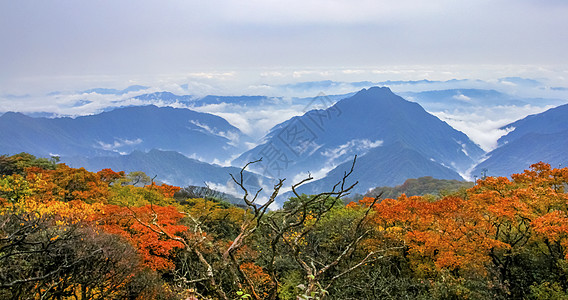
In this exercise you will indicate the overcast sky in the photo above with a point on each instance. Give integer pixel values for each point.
(67, 40)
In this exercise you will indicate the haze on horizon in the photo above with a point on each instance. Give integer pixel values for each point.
(51, 45)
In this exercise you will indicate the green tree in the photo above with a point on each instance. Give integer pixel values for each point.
(17, 164)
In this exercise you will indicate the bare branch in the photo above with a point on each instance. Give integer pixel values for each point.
(250, 226)
(367, 211)
(159, 230)
(363, 261)
(350, 248)
(240, 183)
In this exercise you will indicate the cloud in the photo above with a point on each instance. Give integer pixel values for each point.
(304, 73)
(483, 124)
(338, 155)
(355, 71)
(269, 74)
(355, 146)
(253, 122)
(232, 136)
(462, 97)
(509, 83)
(118, 143)
(228, 188)
(73, 103)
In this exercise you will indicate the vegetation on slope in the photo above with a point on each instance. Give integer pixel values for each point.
(422, 186)
(68, 233)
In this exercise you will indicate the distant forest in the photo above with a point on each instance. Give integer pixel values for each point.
(420, 187)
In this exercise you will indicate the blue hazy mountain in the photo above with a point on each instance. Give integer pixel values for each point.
(440, 100)
(168, 98)
(552, 121)
(323, 85)
(382, 128)
(168, 166)
(122, 131)
(526, 82)
(165, 97)
(107, 91)
(540, 137)
(389, 166)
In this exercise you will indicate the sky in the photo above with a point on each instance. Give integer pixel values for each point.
(65, 44)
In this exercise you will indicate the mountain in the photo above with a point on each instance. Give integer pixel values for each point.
(167, 98)
(450, 99)
(106, 91)
(540, 137)
(170, 167)
(122, 131)
(394, 138)
(390, 165)
(552, 121)
(323, 85)
(420, 187)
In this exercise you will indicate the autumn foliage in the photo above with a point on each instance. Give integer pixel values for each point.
(68, 233)
(501, 226)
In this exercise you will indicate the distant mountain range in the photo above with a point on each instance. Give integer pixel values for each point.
(394, 139)
(105, 91)
(440, 100)
(121, 131)
(168, 98)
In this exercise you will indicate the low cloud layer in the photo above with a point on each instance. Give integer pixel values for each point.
(483, 124)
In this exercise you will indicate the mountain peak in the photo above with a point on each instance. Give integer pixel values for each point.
(376, 99)
(376, 91)
(10, 115)
(122, 130)
(374, 123)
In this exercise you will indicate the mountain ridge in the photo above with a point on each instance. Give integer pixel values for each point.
(539, 137)
(363, 124)
(395, 139)
(121, 131)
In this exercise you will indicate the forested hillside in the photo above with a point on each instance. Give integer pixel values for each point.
(67, 233)
(420, 187)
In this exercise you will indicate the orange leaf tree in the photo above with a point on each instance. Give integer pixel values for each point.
(503, 230)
